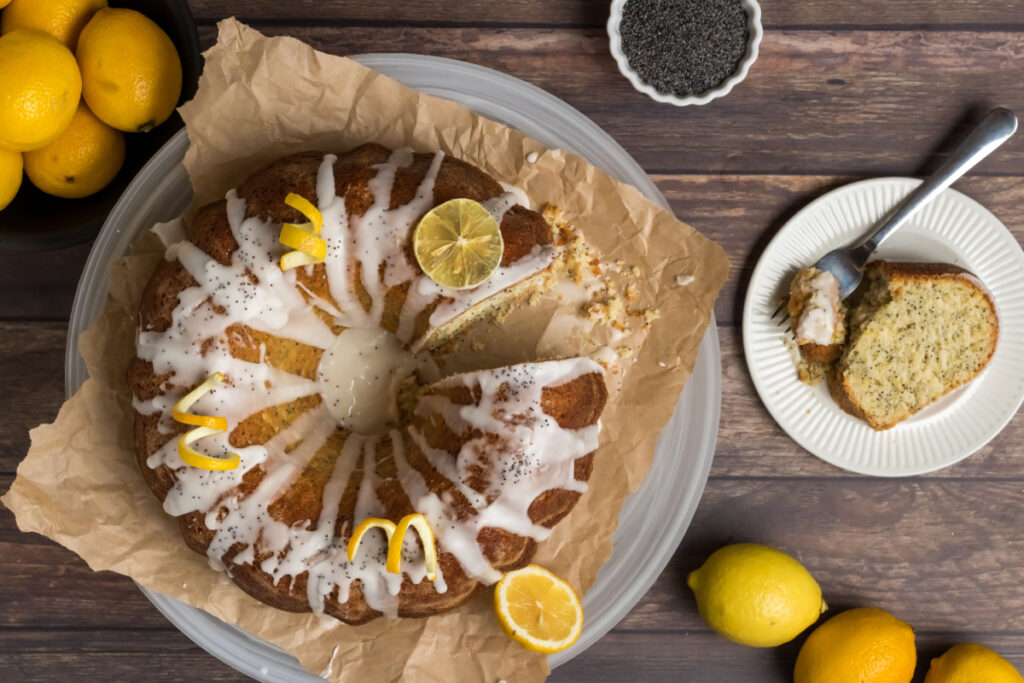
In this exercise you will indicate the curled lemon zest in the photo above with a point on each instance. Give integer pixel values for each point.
(422, 526)
(369, 523)
(297, 237)
(306, 208)
(191, 456)
(309, 248)
(294, 259)
(396, 535)
(206, 425)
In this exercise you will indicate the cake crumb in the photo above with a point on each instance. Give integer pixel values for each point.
(477, 346)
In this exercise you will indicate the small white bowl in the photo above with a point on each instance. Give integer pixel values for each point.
(754, 30)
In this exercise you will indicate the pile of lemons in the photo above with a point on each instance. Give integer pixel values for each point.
(757, 595)
(75, 75)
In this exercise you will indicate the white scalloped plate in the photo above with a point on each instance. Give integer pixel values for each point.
(953, 228)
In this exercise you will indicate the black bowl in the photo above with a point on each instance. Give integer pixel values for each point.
(37, 221)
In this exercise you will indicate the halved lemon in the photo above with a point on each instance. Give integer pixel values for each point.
(458, 244)
(538, 610)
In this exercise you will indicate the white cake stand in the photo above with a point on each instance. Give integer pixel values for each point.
(653, 519)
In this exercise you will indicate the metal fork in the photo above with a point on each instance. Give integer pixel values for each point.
(847, 263)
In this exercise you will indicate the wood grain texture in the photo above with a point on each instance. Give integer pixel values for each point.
(32, 372)
(594, 13)
(865, 541)
(40, 285)
(856, 102)
(157, 656)
(841, 91)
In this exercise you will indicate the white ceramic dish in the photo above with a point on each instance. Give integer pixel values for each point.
(953, 228)
(753, 10)
(653, 519)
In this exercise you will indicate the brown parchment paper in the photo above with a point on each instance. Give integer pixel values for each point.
(260, 98)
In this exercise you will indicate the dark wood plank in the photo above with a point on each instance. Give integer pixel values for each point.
(942, 555)
(40, 285)
(815, 102)
(651, 656)
(45, 586)
(743, 213)
(107, 655)
(32, 371)
(705, 658)
(594, 14)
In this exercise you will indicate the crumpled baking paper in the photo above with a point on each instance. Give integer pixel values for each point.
(260, 98)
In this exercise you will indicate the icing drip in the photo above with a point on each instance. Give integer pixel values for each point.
(534, 454)
(348, 425)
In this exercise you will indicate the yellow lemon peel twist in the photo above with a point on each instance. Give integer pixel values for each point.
(206, 425)
(309, 248)
(395, 535)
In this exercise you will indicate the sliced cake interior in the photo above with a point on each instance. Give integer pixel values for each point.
(917, 332)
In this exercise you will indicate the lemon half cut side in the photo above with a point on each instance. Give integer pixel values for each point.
(538, 610)
(458, 244)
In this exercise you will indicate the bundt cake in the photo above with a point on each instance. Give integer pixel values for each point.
(332, 400)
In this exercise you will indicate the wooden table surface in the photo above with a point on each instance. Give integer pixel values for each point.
(841, 91)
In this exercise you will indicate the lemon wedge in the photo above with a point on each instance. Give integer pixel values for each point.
(206, 425)
(422, 527)
(458, 244)
(386, 525)
(538, 610)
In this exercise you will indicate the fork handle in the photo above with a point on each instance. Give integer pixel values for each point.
(997, 126)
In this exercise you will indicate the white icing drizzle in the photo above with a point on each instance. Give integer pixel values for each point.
(533, 453)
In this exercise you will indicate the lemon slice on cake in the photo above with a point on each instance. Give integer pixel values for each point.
(458, 244)
(538, 610)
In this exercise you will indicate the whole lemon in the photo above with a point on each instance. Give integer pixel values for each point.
(39, 89)
(62, 19)
(4, 3)
(756, 595)
(81, 161)
(131, 73)
(10, 176)
(863, 645)
(971, 663)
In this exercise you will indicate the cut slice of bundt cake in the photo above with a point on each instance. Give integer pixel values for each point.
(302, 438)
(917, 331)
(817, 315)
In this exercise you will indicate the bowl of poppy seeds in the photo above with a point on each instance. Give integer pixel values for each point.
(684, 52)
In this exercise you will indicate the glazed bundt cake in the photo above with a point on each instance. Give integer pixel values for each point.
(332, 400)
